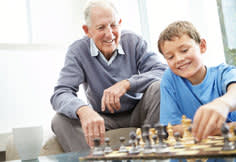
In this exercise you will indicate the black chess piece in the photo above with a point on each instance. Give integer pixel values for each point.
(161, 146)
(146, 138)
(97, 150)
(133, 149)
(225, 132)
(178, 144)
(107, 148)
(122, 145)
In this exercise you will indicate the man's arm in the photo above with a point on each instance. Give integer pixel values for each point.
(210, 117)
(65, 100)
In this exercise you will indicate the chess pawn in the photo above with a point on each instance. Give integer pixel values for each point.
(97, 150)
(227, 144)
(146, 139)
(232, 136)
(186, 123)
(178, 144)
(122, 145)
(139, 135)
(107, 148)
(225, 132)
(133, 149)
(138, 145)
(171, 139)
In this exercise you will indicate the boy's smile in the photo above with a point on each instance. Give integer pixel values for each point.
(183, 56)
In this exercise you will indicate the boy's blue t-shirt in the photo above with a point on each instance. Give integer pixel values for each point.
(179, 97)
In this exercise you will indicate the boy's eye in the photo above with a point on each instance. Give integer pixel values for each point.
(169, 57)
(185, 50)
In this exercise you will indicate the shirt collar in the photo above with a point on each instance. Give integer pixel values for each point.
(95, 51)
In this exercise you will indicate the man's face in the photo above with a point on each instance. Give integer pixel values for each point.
(183, 56)
(104, 29)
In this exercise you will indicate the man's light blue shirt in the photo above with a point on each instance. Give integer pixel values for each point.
(95, 52)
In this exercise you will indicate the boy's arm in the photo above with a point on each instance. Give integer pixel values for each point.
(210, 117)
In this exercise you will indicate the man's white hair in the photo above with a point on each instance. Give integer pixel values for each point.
(97, 3)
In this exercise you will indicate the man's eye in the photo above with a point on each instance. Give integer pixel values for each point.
(113, 25)
(100, 28)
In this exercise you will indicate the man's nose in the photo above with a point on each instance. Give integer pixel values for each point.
(109, 32)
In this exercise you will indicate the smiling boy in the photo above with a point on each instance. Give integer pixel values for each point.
(207, 95)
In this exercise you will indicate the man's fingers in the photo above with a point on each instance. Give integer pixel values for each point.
(102, 132)
(103, 103)
(117, 102)
(85, 129)
(107, 103)
(90, 135)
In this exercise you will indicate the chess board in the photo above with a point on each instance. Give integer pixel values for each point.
(208, 148)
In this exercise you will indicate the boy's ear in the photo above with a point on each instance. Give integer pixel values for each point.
(203, 46)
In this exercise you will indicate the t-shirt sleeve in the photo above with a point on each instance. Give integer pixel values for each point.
(228, 76)
(169, 110)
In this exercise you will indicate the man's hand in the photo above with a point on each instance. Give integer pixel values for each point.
(92, 124)
(209, 119)
(111, 96)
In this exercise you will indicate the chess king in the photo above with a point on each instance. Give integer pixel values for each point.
(204, 94)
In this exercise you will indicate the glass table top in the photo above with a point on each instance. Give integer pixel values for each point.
(74, 157)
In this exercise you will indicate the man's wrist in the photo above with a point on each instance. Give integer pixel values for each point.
(127, 84)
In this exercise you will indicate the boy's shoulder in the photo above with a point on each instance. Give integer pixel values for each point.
(221, 68)
(169, 78)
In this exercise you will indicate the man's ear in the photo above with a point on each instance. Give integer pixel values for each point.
(203, 46)
(85, 28)
(120, 21)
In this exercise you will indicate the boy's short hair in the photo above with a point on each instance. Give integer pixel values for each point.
(178, 29)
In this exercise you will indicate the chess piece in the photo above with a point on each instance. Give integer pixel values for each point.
(139, 135)
(97, 150)
(107, 148)
(225, 132)
(138, 145)
(133, 149)
(161, 147)
(171, 139)
(146, 139)
(122, 145)
(234, 137)
(178, 144)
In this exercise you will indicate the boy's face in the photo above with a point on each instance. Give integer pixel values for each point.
(183, 56)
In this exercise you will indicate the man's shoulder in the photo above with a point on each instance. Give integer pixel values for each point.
(127, 34)
(82, 43)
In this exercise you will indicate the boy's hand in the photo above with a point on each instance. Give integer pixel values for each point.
(209, 118)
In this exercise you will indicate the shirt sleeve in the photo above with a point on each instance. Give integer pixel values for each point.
(149, 66)
(228, 76)
(65, 100)
(169, 110)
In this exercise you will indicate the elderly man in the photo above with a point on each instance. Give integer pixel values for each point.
(120, 78)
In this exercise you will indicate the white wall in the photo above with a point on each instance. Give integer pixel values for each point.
(27, 81)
